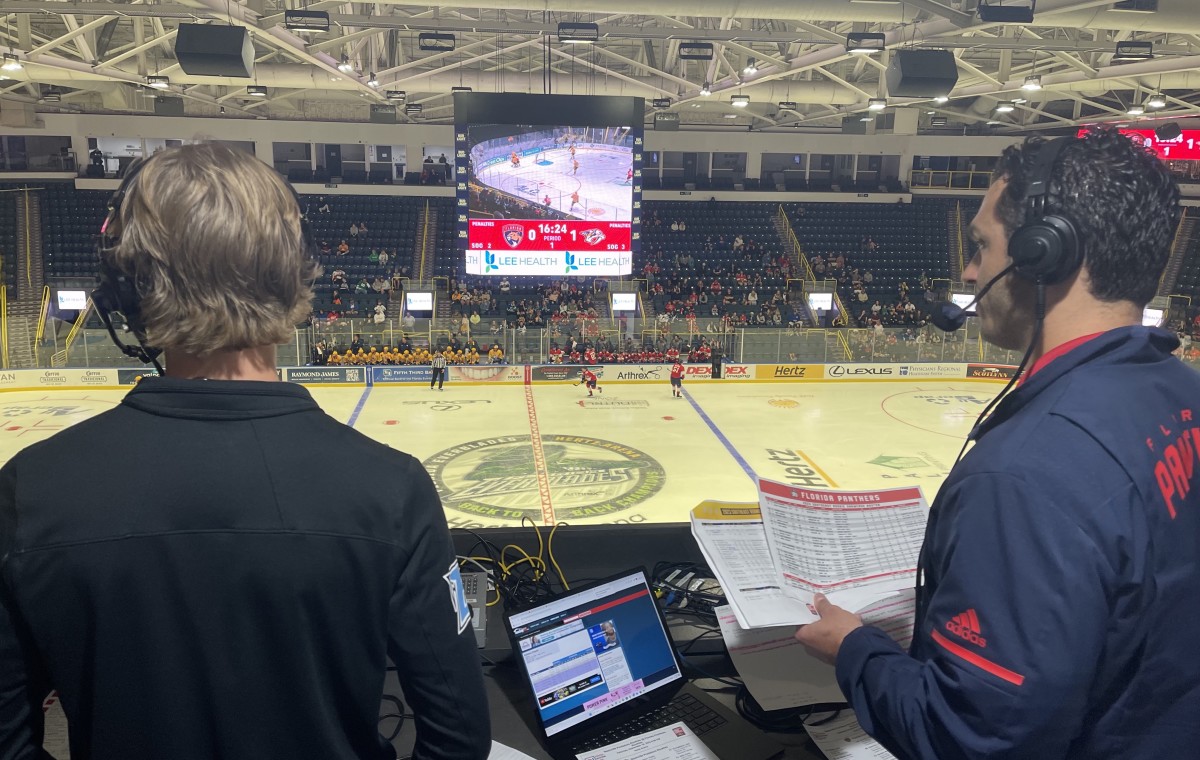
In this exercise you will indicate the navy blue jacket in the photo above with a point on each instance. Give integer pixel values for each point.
(1062, 575)
(220, 570)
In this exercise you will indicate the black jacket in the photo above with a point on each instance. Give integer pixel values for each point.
(221, 570)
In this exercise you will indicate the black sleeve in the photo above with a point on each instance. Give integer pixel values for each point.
(430, 642)
(22, 683)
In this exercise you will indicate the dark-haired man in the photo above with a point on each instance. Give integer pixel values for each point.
(1058, 617)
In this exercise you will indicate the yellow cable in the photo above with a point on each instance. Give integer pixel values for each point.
(550, 548)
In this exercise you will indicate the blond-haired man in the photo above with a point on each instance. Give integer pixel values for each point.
(191, 591)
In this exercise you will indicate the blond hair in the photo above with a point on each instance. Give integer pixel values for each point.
(212, 238)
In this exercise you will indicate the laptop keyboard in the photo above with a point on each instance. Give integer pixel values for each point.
(684, 707)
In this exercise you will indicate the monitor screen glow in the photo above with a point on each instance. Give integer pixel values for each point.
(624, 301)
(72, 300)
(418, 301)
(822, 301)
(1152, 317)
(962, 300)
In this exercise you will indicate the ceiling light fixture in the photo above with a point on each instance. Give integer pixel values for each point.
(1004, 107)
(1032, 83)
(696, 51)
(1133, 50)
(1136, 110)
(1157, 100)
(941, 99)
(661, 102)
(731, 116)
(867, 43)
(345, 66)
(751, 68)
(739, 101)
(372, 81)
(395, 95)
(996, 13)
(306, 22)
(787, 105)
(157, 81)
(706, 90)
(876, 104)
(11, 62)
(436, 42)
(578, 33)
(257, 90)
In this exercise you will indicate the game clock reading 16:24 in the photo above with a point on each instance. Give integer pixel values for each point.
(523, 235)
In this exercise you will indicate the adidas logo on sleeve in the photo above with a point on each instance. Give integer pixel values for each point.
(966, 626)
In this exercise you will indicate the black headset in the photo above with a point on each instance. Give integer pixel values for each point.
(1046, 247)
(117, 291)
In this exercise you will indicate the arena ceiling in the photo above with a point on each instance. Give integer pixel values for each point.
(94, 57)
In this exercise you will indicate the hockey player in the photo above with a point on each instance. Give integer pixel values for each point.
(591, 381)
(677, 380)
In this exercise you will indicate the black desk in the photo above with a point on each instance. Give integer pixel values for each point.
(512, 718)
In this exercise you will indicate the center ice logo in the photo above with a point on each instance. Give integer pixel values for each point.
(489, 262)
(570, 258)
(513, 234)
(593, 236)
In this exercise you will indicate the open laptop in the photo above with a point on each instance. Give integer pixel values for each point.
(602, 667)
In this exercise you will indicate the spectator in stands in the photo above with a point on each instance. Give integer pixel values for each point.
(377, 284)
(324, 207)
(353, 230)
(383, 257)
(343, 248)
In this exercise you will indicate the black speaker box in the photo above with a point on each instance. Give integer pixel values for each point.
(1168, 131)
(921, 73)
(214, 50)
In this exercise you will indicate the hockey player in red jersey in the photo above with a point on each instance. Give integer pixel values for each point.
(677, 380)
(590, 380)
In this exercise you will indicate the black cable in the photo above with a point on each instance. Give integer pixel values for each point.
(789, 720)
(400, 715)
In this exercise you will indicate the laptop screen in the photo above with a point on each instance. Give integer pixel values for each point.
(589, 651)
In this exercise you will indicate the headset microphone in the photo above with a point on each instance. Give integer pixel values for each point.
(949, 316)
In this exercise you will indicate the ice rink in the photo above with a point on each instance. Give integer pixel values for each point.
(630, 454)
(601, 181)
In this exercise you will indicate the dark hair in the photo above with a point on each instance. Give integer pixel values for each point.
(1120, 196)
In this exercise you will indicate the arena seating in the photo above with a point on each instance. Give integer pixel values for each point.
(393, 224)
(8, 240)
(707, 223)
(71, 220)
(1188, 282)
(910, 239)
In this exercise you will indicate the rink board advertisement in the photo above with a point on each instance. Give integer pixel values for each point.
(320, 375)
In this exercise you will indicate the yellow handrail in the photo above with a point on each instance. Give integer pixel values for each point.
(841, 336)
(43, 311)
(962, 264)
(4, 323)
(424, 238)
(28, 245)
(59, 358)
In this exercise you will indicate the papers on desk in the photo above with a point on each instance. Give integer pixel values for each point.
(843, 739)
(502, 752)
(856, 547)
(674, 742)
(780, 673)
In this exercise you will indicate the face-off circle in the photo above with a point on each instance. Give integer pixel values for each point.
(495, 478)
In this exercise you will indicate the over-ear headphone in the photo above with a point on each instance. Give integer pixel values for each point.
(117, 291)
(1046, 247)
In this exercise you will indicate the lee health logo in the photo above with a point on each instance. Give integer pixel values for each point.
(489, 262)
(570, 258)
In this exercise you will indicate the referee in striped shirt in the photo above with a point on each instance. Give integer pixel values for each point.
(439, 371)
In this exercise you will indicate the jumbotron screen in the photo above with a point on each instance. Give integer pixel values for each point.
(560, 199)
